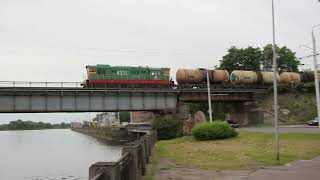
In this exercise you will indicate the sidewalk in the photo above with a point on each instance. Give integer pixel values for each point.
(297, 170)
(283, 129)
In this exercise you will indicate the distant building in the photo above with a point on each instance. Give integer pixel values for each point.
(106, 119)
(86, 124)
(76, 124)
(142, 117)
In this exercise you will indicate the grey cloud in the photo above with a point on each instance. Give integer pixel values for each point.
(53, 40)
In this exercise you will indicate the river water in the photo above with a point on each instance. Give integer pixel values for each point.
(50, 154)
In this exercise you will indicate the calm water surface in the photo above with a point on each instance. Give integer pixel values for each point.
(50, 155)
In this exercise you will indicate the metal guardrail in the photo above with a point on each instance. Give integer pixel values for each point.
(40, 84)
(78, 86)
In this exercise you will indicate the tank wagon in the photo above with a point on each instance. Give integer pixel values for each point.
(290, 77)
(259, 79)
(125, 77)
(252, 77)
(192, 77)
(198, 78)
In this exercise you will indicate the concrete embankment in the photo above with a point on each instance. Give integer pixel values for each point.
(137, 146)
(110, 135)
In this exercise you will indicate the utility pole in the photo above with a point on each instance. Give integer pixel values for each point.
(275, 88)
(209, 95)
(118, 114)
(130, 116)
(316, 76)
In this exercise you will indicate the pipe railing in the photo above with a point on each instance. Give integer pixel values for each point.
(99, 176)
(40, 84)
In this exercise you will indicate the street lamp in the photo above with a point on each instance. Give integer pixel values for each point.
(209, 95)
(316, 78)
(275, 87)
(308, 56)
(302, 45)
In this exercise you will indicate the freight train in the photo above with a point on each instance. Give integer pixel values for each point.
(106, 76)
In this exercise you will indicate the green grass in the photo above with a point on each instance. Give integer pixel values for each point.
(248, 150)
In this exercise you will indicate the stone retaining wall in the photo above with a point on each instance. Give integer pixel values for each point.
(111, 135)
(136, 152)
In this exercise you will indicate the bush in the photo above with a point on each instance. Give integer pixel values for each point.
(214, 130)
(306, 87)
(167, 128)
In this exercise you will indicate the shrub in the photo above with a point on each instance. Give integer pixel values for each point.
(167, 128)
(306, 87)
(214, 130)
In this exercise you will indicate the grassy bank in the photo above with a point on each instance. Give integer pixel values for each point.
(248, 150)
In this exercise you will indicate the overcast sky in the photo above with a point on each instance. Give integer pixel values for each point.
(53, 40)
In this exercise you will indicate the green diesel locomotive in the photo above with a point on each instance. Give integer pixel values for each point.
(107, 76)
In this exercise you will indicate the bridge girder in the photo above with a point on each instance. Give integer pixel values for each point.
(63, 99)
(80, 100)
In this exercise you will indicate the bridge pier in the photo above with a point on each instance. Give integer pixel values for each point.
(244, 113)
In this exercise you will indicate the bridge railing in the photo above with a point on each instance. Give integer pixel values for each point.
(40, 84)
(99, 176)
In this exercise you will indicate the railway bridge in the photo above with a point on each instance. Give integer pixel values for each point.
(48, 97)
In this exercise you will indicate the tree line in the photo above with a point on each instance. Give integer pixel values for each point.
(30, 125)
(256, 58)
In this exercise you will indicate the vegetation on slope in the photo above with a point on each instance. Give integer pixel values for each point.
(294, 107)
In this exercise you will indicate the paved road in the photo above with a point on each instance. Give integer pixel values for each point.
(305, 129)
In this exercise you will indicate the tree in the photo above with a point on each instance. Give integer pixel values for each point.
(242, 59)
(218, 109)
(64, 125)
(251, 58)
(287, 61)
(124, 116)
(29, 125)
(16, 124)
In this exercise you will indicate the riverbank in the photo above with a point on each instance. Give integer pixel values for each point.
(247, 152)
(108, 134)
